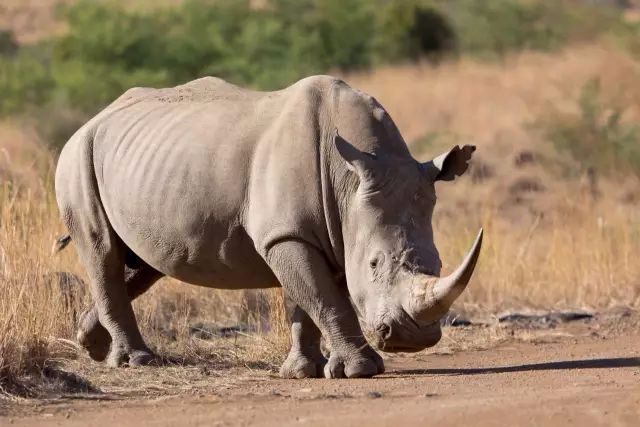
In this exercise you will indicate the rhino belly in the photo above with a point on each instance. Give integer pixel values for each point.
(213, 253)
(177, 203)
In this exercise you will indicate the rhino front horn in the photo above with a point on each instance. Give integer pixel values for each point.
(447, 289)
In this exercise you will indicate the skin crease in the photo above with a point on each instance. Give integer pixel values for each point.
(216, 186)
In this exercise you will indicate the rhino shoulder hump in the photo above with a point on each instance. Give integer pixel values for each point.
(134, 93)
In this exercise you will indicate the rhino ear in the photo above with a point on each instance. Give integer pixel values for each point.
(363, 164)
(453, 163)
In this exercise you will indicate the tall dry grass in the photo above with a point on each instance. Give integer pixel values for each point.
(30, 313)
(581, 256)
(551, 241)
(37, 325)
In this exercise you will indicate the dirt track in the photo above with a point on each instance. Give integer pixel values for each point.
(558, 380)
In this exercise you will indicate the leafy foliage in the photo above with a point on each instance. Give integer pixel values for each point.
(110, 47)
(597, 138)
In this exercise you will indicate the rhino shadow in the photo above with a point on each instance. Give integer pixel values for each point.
(605, 363)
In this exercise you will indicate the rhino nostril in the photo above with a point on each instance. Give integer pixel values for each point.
(384, 331)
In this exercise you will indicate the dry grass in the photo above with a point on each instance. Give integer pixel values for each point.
(36, 319)
(583, 255)
(553, 243)
(30, 312)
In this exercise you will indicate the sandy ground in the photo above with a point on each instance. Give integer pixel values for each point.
(555, 377)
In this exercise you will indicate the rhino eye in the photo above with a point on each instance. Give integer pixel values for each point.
(376, 261)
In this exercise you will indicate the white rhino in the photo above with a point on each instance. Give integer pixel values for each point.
(311, 188)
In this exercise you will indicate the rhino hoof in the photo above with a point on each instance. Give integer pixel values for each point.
(298, 366)
(354, 366)
(93, 336)
(120, 357)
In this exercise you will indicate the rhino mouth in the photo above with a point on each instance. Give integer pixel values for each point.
(406, 336)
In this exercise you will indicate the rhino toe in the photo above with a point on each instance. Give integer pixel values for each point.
(93, 336)
(298, 366)
(354, 365)
(121, 357)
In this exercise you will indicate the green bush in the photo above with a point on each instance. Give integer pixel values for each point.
(25, 81)
(8, 43)
(412, 29)
(110, 47)
(493, 28)
(264, 48)
(596, 139)
(498, 26)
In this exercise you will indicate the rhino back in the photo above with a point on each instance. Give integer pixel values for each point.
(197, 180)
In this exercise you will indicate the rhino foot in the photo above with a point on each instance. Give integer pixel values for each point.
(363, 363)
(93, 336)
(298, 366)
(119, 356)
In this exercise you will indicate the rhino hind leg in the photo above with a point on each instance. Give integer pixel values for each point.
(106, 268)
(139, 277)
(103, 255)
(305, 359)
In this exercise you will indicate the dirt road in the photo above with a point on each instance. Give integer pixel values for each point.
(557, 381)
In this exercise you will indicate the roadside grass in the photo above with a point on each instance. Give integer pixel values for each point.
(581, 256)
(550, 242)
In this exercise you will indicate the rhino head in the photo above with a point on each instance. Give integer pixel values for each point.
(392, 265)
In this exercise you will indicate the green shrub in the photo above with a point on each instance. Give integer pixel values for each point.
(228, 38)
(596, 138)
(25, 81)
(8, 43)
(412, 29)
(110, 47)
(492, 28)
(88, 86)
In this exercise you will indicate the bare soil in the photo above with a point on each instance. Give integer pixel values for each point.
(580, 373)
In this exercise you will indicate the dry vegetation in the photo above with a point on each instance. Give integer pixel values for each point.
(552, 239)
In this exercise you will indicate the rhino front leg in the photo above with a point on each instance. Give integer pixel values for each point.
(307, 279)
(305, 359)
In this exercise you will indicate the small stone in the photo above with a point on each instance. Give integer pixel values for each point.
(374, 394)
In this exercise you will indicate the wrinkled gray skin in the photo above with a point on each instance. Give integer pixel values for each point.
(228, 188)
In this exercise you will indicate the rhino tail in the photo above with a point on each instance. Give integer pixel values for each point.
(60, 244)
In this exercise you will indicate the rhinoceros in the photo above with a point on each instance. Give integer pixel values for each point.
(311, 188)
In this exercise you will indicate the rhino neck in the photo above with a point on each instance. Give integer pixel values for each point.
(363, 122)
(338, 186)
